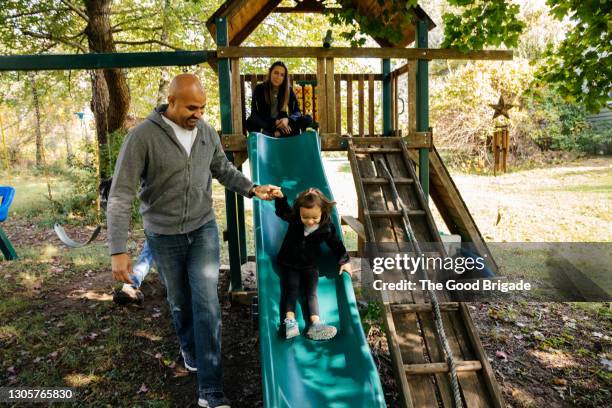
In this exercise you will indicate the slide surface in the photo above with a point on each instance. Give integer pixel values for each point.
(300, 372)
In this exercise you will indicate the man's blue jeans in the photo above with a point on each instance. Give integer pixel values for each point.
(190, 266)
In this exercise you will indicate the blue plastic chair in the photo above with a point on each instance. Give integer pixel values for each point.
(6, 198)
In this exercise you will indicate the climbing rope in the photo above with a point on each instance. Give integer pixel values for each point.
(434, 299)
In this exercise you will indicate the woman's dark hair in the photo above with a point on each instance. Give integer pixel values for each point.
(283, 90)
(314, 197)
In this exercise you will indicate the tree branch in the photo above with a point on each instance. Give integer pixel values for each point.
(50, 37)
(77, 10)
(163, 43)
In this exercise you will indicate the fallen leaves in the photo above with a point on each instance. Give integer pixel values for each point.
(501, 355)
(143, 389)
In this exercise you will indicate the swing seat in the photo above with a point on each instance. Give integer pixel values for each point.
(6, 198)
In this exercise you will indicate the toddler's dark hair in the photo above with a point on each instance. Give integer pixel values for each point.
(314, 197)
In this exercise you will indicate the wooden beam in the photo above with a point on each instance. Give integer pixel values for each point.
(329, 142)
(253, 23)
(313, 77)
(236, 96)
(412, 107)
(355, 225)
(347, 52)
(435, 368)
(481, 354)
(424, 307)
(233, 142)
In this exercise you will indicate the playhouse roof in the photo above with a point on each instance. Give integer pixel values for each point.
(243, 17)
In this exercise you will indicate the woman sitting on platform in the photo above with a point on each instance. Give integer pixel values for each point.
(274, 108)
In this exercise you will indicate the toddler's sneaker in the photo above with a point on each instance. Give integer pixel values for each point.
(189, 362)
(321, 331)
(291, 328)
(214, 400)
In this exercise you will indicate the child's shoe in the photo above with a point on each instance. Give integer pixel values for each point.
(291, 328)
(321, 331)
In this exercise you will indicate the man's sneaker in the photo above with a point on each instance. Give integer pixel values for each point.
(214, 400)
(321, 331)
(291, 328)
(189, 362)
(128, 295)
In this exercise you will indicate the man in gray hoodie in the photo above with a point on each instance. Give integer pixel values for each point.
(173, 154)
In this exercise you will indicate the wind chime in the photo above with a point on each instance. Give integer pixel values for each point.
(501, 138)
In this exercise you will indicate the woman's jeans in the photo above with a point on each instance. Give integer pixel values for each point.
(190, 266)
(255, 123)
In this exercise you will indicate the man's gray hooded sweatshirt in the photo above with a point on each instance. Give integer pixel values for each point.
(175, 188)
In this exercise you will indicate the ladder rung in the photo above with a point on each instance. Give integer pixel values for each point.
(384, 181)
(424, 307)
(440, 368)
(378, 150)
(392, 213)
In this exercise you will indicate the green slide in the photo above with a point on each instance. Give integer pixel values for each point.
(301, 372)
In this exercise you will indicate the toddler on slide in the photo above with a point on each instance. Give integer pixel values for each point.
(309, 226)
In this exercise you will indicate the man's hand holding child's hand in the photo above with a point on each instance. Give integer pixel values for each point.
(267, 192)
(346, 268)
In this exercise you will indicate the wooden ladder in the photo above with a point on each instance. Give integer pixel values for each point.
(416, 352)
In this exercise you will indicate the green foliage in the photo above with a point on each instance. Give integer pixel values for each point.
(482, 22)
(541, 119)
(554, 123)
(371, 315)
(389, 25)
(580, 68)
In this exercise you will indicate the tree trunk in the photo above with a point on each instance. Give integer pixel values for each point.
(39, 141)
(164, 80)
(67, 142)
(110, 92)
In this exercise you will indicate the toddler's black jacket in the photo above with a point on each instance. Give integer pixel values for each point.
(302, 252)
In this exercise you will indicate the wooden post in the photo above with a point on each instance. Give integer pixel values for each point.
(371, 105)
(412, 103)
(231, 200)
(338, 97)
(360, 87)
(321, 95)
(349, 105)
(330, 99)
(422, 119)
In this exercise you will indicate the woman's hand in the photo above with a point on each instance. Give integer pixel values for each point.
(283, 125)
(277, 193)
(346, 268)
